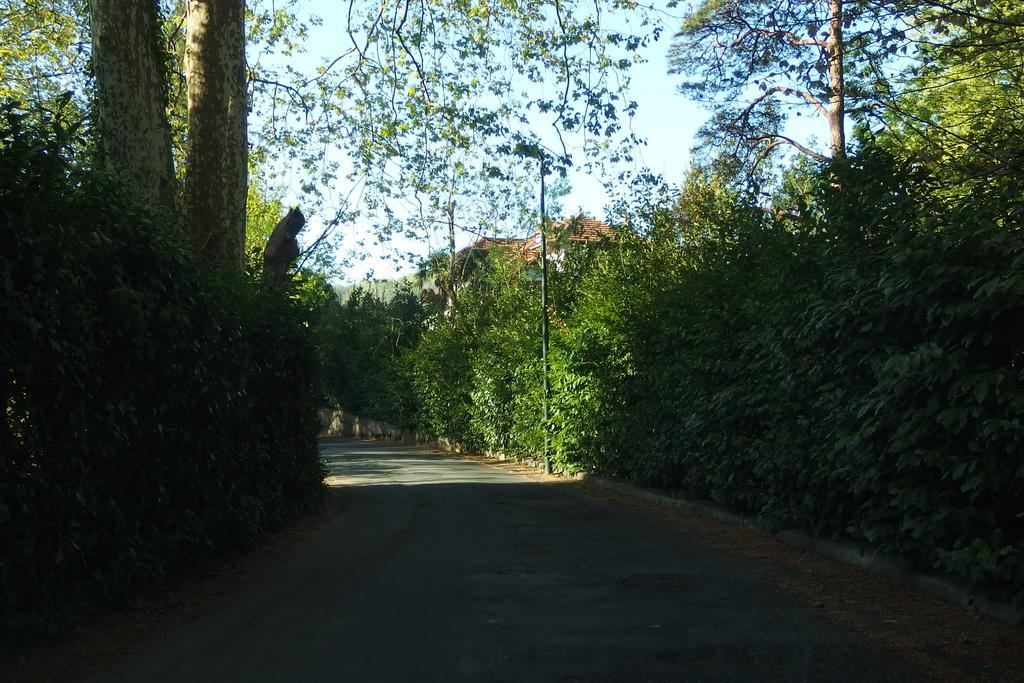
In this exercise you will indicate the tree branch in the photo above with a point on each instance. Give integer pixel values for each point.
(776, 139)
(782, 213)
(410, 55)
(784, 90)
(565, 68)
(292, 90)
(789, 36)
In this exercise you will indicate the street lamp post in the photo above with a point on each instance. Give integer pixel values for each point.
(544, 314)
(535, 151)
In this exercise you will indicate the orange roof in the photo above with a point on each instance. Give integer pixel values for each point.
(576, 229)
(508, 245)
(583, 229)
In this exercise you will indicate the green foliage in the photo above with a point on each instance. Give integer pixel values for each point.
(477, 372)
(961, 111)
(361, 341)
(867, 385)
(42, 56)
(262, 212)
(439, 372)
(429, 99)
(856, 373)
(155, 413)
(846, 359)
(593, 363)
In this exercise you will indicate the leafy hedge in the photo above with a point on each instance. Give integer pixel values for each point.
(861, 377)
(361, 341)
(477, 374)
(857, 373)
(155, 413)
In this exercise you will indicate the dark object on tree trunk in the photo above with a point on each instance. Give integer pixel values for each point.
(282, 247)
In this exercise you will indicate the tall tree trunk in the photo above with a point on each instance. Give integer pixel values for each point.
(131, 106)
(835, 49)
(217, 172)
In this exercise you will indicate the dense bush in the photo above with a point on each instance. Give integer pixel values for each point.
(860, 376)
(856, 372)
(477, 372)
(155, 413)
(361, 341)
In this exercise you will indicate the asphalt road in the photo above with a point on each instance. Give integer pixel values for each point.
(442, 569)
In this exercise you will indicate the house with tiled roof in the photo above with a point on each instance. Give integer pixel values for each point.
(579, 229)
(560, 234)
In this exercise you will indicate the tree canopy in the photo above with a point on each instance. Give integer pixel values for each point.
(428, 100)
(44, 50)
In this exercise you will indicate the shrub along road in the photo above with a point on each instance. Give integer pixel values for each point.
(437, 568)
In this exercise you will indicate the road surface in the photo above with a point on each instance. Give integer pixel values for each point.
(435, 568)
